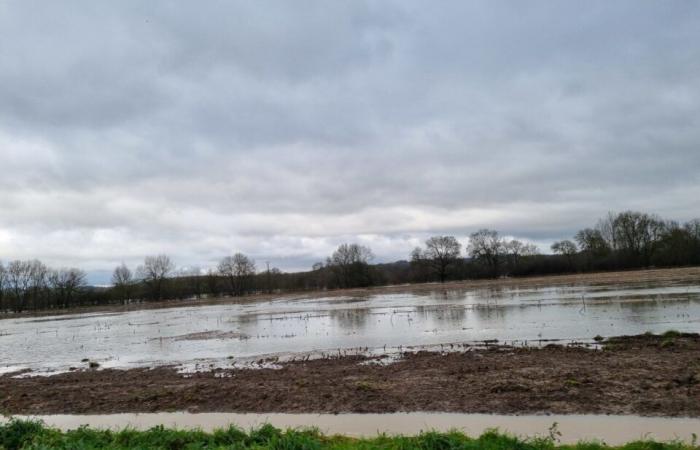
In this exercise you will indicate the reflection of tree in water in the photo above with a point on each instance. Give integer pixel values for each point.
(489, 312)
(657, 307)
(442, 316)
(350, 319)
(250, 324)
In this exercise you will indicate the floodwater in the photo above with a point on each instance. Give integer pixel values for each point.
(613, 430)
(225, 335)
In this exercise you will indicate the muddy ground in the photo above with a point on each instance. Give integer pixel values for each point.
(647, 375)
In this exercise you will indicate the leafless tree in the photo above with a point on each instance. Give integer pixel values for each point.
(19, 279)
(213, 285)
(487, 247)
(66, 285)
(633, 235)
(349, 263)
(592, 242)
(514, 250)
(194, 279)
(692, 227)
(419, 265)
(154, 272)
(237, 269)
(567, 249)
(3, 276)
(440, 253)
(123, 281)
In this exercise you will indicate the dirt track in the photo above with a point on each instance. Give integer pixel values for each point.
(647, 375)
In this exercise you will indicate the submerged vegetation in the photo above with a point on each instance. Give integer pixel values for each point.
(18, 434)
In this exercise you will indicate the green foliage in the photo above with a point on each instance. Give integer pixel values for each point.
(19, 434)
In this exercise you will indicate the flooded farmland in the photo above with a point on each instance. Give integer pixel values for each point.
(226, 335)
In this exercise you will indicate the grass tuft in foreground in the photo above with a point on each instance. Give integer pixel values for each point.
(18, 434)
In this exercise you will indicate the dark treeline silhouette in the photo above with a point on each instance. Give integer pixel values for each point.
(626, 240)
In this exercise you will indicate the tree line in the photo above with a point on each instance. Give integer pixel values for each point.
(624, 240)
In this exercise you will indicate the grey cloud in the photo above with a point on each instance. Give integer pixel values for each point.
(282, 129)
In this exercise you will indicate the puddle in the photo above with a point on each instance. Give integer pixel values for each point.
(613, 430)
(223, 335)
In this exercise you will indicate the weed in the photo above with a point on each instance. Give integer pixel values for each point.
(668, 342)
(26, 435)
(365, 386)
(571, 383)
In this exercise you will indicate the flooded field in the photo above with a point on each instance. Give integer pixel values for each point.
(225, 335)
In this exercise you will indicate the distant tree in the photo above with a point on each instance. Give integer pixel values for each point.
(487, 247)
(19, 280)
(693, 229)
(213, 285)
(195, 284)
(592, 242)
(320, 275)
(420, 268)
(636, 235)
(66, 285)
(155, 272)
(514, 250)
(350, 264)
(440, 253)
(237, 269)
(123, 281)
(3, 275)
(567, 249)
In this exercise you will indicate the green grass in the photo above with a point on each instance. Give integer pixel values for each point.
(18, 434)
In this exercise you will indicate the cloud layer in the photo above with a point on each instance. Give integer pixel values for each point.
(283, 128)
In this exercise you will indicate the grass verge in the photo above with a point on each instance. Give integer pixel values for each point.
(19, 434)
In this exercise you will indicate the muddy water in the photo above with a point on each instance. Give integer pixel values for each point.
(613, 430)
(225, 335)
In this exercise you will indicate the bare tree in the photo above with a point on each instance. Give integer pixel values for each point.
(19, 280)
(487, 247)
(320, 275)
(592, 242)
(213, 285)
(195, 281)
(123, 281)
(419, 265)
(440, 253)
(514, 250)
(66, 285)
(3, 276)
(237, 269)
(39, 275)
(154, 272)
(567, 249)
(350, 264)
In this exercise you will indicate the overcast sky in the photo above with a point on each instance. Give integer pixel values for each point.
(281, 129)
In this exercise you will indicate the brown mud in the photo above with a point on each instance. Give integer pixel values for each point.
(645, 375)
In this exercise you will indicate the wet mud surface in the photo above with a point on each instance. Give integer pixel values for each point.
(645, 375)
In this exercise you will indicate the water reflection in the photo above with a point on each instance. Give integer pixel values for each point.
(285, 325)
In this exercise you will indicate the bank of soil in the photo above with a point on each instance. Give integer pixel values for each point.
(646, 375)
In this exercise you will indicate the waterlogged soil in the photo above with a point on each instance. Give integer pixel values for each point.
(229, 333)
(644, 375)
